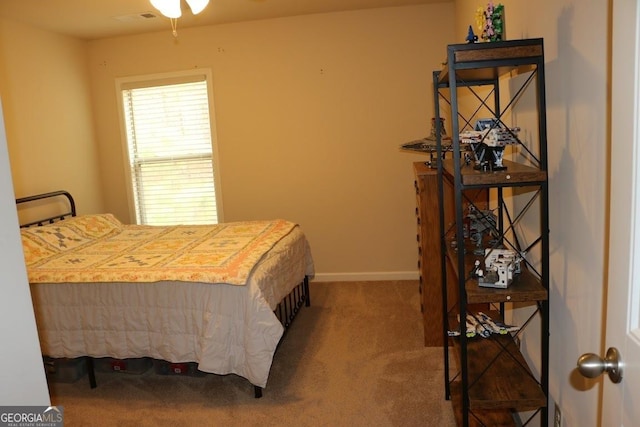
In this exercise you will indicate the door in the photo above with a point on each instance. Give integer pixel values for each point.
(621, 407)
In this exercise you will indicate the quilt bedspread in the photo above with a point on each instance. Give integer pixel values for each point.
(99, 248)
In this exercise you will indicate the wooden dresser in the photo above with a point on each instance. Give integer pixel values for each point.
(429, 252)
(429, 259)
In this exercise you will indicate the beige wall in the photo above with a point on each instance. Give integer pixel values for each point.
(310, 113)
(44, 84)
(576, 77)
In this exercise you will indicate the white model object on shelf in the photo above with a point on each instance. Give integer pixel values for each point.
(500, 267)
(487, 140)
(483, 325)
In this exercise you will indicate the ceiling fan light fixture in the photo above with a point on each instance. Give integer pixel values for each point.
(169, 8)
(197, 6)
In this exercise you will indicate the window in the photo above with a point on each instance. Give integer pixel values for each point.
(170, 150)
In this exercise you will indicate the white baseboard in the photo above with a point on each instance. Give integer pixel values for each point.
(365, 276)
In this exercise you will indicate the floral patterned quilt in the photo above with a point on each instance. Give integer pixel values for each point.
(99, 248)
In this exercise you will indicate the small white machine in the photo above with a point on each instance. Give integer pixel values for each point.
(500, 267)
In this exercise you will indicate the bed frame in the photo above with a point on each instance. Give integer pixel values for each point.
(285, 311)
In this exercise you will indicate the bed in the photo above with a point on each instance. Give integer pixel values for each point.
(220, 295)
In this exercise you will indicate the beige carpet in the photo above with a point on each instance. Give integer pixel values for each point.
(354, 358)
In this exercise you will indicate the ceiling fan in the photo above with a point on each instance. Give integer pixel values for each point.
(172, 10)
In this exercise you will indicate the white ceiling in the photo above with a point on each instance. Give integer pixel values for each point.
(93, 19)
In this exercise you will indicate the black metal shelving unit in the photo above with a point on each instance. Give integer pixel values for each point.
(492, 383)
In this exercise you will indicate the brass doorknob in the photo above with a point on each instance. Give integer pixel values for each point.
(591, 365)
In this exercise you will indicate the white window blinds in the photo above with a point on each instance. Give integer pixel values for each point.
(170, 153)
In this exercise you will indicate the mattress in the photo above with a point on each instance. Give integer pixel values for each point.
(224, 328)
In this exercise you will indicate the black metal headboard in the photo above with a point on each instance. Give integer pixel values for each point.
(51, 219)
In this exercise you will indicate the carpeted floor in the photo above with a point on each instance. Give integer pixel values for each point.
(354, 358)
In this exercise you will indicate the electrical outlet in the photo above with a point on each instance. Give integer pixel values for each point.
(557, 417)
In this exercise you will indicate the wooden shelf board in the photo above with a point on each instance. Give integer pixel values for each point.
(479, 418)
(496, 52)
(524, 287)
(515, 173)
(470, 60)
(499, 377)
